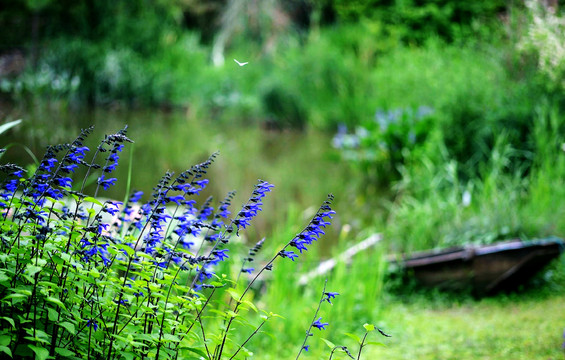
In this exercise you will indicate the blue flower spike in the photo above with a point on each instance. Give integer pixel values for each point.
(329, 296)
(319, 324)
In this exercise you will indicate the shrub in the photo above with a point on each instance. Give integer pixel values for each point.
(82, 277)
(543, 38)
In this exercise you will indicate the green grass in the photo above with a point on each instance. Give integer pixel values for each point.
(497, 328)
(515, 193)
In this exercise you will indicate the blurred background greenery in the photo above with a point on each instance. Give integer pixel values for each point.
(435, 122)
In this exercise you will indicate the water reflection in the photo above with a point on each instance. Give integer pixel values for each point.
(302, 165)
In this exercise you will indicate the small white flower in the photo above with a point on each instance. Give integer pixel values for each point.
(466, 199)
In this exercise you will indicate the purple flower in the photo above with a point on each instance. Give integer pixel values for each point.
(135, 196)
(319, 325)
(110, 168)
(106, 183)
(177, 199)
(253, 205)
(77, 154)
(11, 185)
(221, 254)
(64, 181)
(288, 254)
(48, 164)
(112, 207)
(312, 232)
(330, 295)
(67, 169)
(92, 323)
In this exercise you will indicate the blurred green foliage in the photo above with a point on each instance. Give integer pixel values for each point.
(338, 66)
(311, 58)
(417, 20)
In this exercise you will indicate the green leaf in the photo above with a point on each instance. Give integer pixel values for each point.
(6, 350)
(330, 344)
(64, 352)
(40, 353)
(234, 294)
(197, 351)
(94, 273)
(10, 320)
(171, 337)
(32, 269)
(251, 305)
(39, 335)
(53, 315)
(7, 126)
(69, 327)
(15, 296)
(354, 337)
(376, 343)
(272, 314)
(128, 355)
(92, 200)
(369, 327)
(128, 249)
(4, 277)
(5, 340)
(56, 302)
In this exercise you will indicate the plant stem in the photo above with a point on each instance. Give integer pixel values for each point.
(313, 320)
(249, 338)
(362, 345)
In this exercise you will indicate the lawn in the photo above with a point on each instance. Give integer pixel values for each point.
(499, 328)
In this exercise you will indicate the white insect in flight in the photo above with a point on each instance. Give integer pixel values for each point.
(241, 63)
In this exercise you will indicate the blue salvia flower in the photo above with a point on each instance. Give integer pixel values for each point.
(188, 226)
(127, 214)
(329, 296)
(206, 210)
(106, 183)
(63, 181)
(135, 197)
(318, 324)
(48, 164)
(32, 215)
(313, 231)
(253, 205)
(76, 155)
(10, 186)
(177, 199)
(220, 254)
(116, 141)
(102, 228)
(112, 207)
(91, 250)
(194, 188)
(69, 168)
(288, 254)
(112, 161)
(251, 256)
(92, 323)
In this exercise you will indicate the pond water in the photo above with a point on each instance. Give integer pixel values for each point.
(303, 166)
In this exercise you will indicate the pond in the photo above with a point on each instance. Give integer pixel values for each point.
(302, 165)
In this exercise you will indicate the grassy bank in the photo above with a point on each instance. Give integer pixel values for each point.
(513, 328)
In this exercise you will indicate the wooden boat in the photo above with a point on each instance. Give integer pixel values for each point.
(485, 269)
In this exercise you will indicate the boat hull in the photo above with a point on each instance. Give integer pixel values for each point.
(484, 269)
